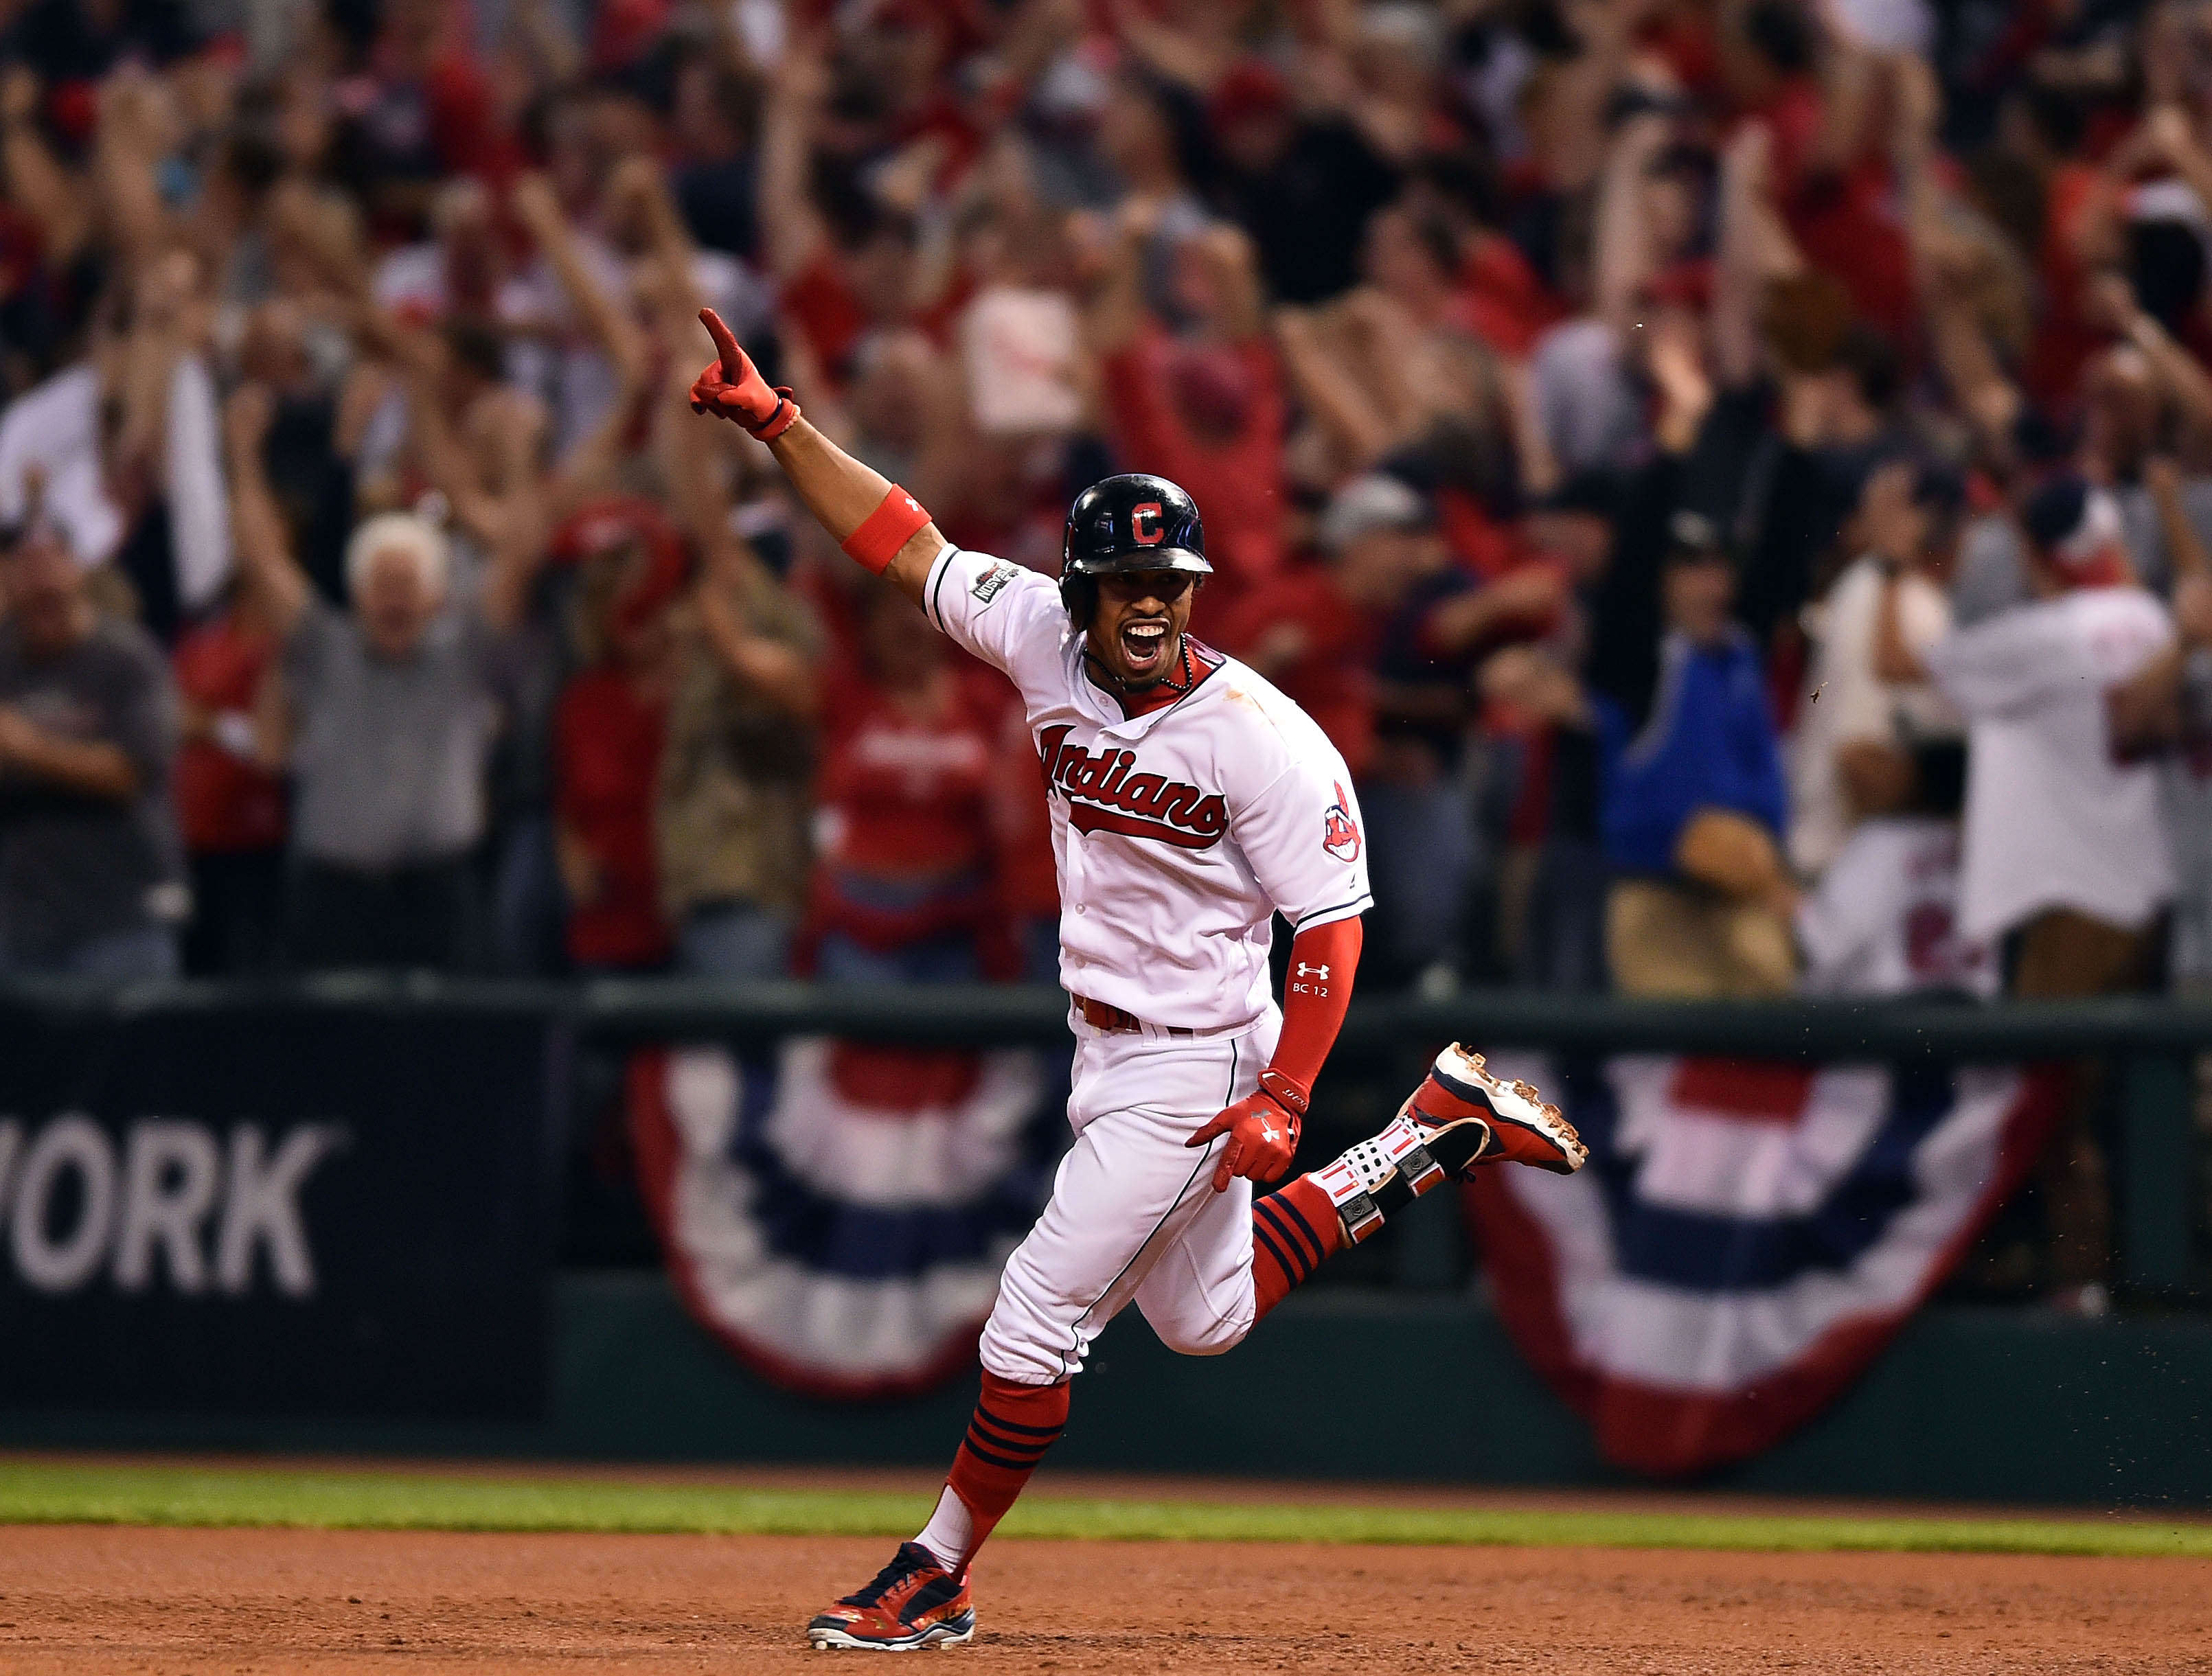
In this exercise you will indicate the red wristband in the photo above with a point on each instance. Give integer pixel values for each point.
(887, 528)
(1285, 1091)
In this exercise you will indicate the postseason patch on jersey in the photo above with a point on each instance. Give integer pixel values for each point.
(1340, 834)
(992, 582)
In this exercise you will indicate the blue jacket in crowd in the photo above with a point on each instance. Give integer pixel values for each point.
(1708, 742)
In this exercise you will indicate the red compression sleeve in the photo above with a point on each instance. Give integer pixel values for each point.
(1314, 995)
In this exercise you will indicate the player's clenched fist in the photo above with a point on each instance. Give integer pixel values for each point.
(732, 387)
(1262, 1136)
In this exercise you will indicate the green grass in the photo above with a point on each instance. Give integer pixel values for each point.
(48, 1493)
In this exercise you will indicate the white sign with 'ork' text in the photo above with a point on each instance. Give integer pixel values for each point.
(178, 1202)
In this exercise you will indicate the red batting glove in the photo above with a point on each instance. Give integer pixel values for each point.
(733, 388)
(1262, 1135)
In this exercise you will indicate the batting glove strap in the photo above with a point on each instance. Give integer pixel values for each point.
(742, 402)
(1287, 1092)
(786, 415)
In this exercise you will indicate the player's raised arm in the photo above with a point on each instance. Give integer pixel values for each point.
(880, 526)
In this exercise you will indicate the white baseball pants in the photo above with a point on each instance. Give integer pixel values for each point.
(1134, 1214)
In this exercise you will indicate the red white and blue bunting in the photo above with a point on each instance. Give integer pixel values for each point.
(837, 1214)
(1745, 1238)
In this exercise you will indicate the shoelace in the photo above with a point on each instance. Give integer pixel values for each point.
(908, 1560)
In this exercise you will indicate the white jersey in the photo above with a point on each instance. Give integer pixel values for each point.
(1176, 833)
(2053, 820)
(1851, 703)
(1884, 920)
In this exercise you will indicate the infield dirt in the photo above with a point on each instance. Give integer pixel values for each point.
(108, 1599)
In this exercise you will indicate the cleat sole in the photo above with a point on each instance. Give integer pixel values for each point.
(1514, 1106)
(937, 1635)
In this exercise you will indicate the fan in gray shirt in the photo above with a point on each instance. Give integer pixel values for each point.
(388, 752)
(385, 718)
(90, 867)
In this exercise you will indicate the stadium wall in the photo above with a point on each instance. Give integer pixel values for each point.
(422, 1119)
(1971, 1404)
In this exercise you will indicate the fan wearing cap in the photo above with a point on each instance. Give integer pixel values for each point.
(1312, 629)
(1191, 802)
(1691, 798)
(2064, 851)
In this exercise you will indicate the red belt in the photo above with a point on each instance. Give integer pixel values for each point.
(1100, 1016)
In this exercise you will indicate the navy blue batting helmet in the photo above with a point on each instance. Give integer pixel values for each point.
(1132, 522)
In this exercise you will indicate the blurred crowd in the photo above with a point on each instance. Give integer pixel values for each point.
(1733, 477)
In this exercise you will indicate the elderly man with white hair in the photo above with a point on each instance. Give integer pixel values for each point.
(385, 717)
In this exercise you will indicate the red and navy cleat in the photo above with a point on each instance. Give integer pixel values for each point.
(1459, 1118)
(914, 1602)
(1466, 1117)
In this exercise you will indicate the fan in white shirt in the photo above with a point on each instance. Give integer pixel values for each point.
(2060, 817)
(1909, 519)
(1884, 920)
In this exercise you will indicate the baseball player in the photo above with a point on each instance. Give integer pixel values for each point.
(1190, 802)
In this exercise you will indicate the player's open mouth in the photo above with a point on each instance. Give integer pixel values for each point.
(1144, 645)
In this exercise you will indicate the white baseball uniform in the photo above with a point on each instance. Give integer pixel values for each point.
(1176, 835)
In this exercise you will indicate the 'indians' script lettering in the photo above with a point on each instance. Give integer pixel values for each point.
(1103, 796)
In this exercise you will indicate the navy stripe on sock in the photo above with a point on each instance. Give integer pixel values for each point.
(1301, 1265)
(1283, 1202)
(1011, 1428)
(1304, 1266)
(1274, 1250)
(990, 1428)
(990, 1460)
(1013, 1446)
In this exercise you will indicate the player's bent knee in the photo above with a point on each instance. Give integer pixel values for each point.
(1208, 1336)
(1024, 1361)
(1027, 1340)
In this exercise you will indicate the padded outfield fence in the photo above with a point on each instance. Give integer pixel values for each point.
(328, 1213)
(2160, 1189)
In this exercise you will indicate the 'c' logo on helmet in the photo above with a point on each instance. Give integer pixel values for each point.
(1142, 513)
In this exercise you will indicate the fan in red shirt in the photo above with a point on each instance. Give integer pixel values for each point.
(1833, 187)
(230, 807)
(903, 888)
(425, 109)
(2041, 133)
(1207, 408)
(608, 730)
(1311, 628)
(837, 283)
(1021, 835)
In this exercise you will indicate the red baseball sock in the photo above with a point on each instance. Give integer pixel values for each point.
(1292, 1232)
(1014, 1425)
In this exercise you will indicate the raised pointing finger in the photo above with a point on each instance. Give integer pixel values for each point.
(733, 358)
